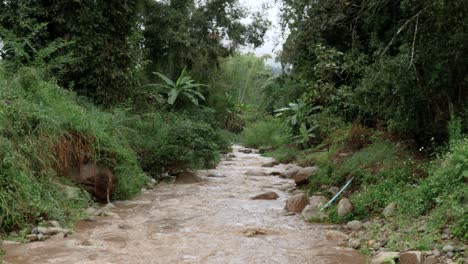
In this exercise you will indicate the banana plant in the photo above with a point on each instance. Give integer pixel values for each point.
(183, 87)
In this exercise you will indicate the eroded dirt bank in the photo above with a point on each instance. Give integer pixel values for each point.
(213, 221)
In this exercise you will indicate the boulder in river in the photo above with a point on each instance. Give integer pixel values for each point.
(187, 177)
(256, 173)
(385, 257)
(290, 172)
(335, 235)
(266, 196)
(317, 201)
(345, 206)
(302, 176)
(412, 257)
(296, 203)
(270, 164)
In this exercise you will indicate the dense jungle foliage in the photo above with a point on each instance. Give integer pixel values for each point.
(370, 89)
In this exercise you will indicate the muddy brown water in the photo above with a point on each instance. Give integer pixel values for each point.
(213, 221)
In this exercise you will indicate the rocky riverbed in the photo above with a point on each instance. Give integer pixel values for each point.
(232, 214)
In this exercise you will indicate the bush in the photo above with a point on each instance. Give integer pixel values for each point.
(167, 142)
(44, 133)
(269, 132)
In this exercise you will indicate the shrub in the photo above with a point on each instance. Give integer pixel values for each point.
(269, 132)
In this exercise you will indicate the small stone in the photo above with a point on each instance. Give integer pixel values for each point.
(448, 248)
(333, 190)
(412, 257)
(449, 255)
(354, 225)
(266, 196)
(366, 225)
(354, 243)
(35, 231)
(345, 206)
(435, 252)
(32, 237)
(377, 246)
(390, 210)
(215, 175)
(52, 224)
(124, 226)
(335, 235)
(50, 231)
(296, 203)
(371, 243)
(110, 206)
(317, 201)
(385, 258)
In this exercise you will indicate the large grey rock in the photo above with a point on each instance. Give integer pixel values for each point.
(302, 176)
(266, 196)
(354, 225)
(290, 172)
(311, 212)
(412, 257)
(317, 201)
(335, 235)
(296, 203)
(448, 248)
(385, 258)
(390, 210)
(256, 173)
(345, 206)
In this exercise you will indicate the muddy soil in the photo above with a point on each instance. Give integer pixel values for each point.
(212, 221)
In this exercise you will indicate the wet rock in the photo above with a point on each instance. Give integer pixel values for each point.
(231, 156)
(345, 206)
(412, 257)
(52, 224)
(42, 237)
(385, 258)
(32, 237)
(50, 231)
(290, 172)
(124, 226)
(333, 190)
(246, 151)
(216, 175)
(311, 212)
(256, 173)
(270, 164)
(376, 246)
(354, 225)
(274, 173)
(317, 201)
(354, 243)
(59, 236)
(91, 211)
(266, 196)
(390, 210)
(448, 248)
(296, 203)
(109, 206)
(302, 176)
(187, 178)
(335, 235)
(9, 242)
